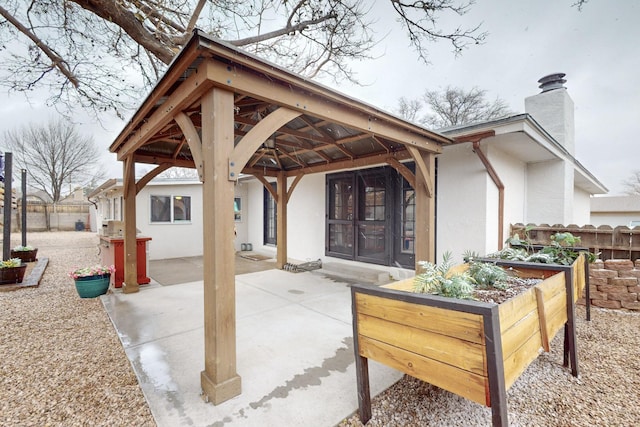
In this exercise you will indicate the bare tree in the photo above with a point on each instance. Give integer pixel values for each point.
(409, 109)
(454, 106)
(55, 155)
(101, 54)
(632, 184)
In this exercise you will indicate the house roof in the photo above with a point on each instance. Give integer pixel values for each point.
(117, 183)
(619, 204)
(327, 131)
(523, 138)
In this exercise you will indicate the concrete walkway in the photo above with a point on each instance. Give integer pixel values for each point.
(294, 351)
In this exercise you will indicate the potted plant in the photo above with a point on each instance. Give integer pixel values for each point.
(92, 281)
(25, 253)
(475, 349)
(12, 271)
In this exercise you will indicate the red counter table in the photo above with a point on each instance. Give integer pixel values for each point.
(112, 252)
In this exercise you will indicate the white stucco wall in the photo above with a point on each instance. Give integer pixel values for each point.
(554, 111)
(581, 207)
(462, 205)
(512, 173)
(613, 219)
(305, 218)
(546, 193)
(182, 239)
(242, 227)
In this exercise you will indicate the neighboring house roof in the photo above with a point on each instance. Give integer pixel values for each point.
(525, 139)
(116, 184)
(615, 204)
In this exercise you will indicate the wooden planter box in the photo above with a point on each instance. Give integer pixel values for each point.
(12, 275)
(474, 349)
(25, 256)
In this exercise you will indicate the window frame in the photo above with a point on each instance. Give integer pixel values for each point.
(172, 203)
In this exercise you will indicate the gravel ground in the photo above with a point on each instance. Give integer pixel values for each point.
(63, 364)
(546, 394)
(62, 361)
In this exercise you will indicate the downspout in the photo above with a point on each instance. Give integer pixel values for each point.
(496, 180)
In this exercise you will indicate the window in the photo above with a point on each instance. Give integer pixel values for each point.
(170, 209)
(270, 218)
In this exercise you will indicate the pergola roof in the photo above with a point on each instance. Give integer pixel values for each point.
(326, 130)
(225, 113)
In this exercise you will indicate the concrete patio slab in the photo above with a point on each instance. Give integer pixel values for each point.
(294, 351)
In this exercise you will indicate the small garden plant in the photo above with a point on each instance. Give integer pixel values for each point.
(560, 251)
(21, 248)
(10, 263)
(439, 279)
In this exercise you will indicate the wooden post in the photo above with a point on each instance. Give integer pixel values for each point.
(130, 284)
(281, 215)
(425, 211)
(219, 380)
(495, 368)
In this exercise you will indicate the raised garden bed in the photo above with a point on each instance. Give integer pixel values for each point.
(474, 349)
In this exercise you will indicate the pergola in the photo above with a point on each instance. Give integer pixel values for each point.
(225, 113)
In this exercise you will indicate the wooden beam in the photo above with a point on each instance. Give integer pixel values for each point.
(293, 185)
(150, 175)
(323, 107)
(158, 160)
(130, 284)
(403, 170)
(423, 168)
(219, 379)
(281, 233)
(425, 212)
(542, 319)
(188, 54)
(189, 91)
(374, 159)
(267, 185)
(193, 139)
(255, 137)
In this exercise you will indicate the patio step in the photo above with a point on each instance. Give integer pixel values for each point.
(355, 274)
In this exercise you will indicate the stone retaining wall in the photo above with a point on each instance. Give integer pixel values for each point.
(615, 283)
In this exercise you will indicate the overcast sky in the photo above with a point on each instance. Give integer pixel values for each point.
(598, 49)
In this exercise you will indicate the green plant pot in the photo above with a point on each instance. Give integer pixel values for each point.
(12, 274)
(25, 256)
(92, 286)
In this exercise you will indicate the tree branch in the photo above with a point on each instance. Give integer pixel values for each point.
(289, 29)
(58, 62)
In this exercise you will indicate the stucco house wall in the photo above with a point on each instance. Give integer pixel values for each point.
(183, 239)
(169, 240)
(462, 212)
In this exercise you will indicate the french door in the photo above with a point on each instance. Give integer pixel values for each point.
(370, 217)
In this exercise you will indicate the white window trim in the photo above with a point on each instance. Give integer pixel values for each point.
(171, 201)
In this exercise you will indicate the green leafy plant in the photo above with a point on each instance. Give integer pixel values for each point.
(439, 280)
(10, 263)
(560, 251)
(23, 248)
(487, 275)
(515, 240)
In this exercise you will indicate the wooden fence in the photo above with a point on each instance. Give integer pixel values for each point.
(610, 243)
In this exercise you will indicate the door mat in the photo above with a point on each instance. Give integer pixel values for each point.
(255, 257)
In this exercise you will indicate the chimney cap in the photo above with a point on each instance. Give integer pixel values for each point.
(552, 81)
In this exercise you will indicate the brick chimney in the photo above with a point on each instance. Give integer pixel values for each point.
(553, 110)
